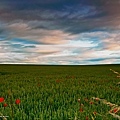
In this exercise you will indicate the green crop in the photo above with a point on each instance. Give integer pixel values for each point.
(58, 92)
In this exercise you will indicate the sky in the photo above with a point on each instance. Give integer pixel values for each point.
(60, 32)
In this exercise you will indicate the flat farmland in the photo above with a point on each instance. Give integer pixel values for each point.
(40, 92)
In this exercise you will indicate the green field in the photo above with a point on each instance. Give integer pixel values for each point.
(52, 92)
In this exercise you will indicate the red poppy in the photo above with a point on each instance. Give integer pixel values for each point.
(5, 105)
(57, 81)
(1, 99)
(17, 101)
(91, 102)
(86, 118)
(94, 113)
(115, 110)
(81, 110)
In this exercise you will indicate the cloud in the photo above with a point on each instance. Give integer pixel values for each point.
(73, 18)
(40, 36)
(59, 31)
(95, 47)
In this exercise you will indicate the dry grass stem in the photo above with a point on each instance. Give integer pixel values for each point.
(115, 108)
(115, 72)
(115, 116)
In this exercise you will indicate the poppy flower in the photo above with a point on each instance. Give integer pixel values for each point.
(17, 101)
(86, 118)
(1, 99)
(57, 81)
(91, 102)
(5, 105)
(114, 110)
(94, 113)
(81, 110)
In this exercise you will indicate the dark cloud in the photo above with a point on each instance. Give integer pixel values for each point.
(50, 3)
(73, 16)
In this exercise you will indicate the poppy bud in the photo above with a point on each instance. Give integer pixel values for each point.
(5, 105)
